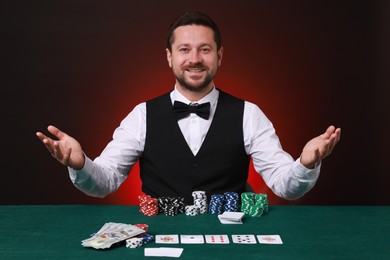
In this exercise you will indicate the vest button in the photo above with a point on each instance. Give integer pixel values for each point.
(195, 165)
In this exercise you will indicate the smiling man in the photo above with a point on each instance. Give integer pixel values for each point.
(196, 137)
(194, 57)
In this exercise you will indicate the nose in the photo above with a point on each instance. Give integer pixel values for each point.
(195, 57)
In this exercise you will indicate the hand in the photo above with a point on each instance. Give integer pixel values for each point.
(66, 149)
(320, 147)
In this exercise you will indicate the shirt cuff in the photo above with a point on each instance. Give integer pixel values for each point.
(306, 174)
(80, 176)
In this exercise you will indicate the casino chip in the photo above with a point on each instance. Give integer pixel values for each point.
(216, 204)
(231, 201)
(139, 241)
(171, 206)
(147, 238)
(200, 200)
(144, 227)
(199, 206)
(134, 242)
(255, 205)
(148, 205)
(219, 203)
(192, 210)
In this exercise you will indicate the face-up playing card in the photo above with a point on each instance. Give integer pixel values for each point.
(167, 239)
(244, 239)
(191, 239)
(269, 239)
(217, 239)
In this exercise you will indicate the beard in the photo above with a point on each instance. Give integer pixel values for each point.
(194, 85)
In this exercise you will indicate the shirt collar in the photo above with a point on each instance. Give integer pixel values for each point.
(211, 97)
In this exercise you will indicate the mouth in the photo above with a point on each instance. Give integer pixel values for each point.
(195, 70)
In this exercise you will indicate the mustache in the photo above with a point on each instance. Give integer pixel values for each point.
(198, 65)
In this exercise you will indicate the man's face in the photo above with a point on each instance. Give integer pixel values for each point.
(194, 58)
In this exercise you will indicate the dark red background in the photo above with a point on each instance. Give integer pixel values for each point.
(83, 65)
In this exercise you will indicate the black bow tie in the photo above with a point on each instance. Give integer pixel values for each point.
(182, 110)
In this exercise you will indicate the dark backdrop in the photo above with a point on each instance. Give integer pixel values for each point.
(83, 65)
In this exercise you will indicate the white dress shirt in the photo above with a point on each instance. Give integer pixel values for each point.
(287, 177)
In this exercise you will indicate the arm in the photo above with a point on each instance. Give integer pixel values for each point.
(287, 178)
(107, 172)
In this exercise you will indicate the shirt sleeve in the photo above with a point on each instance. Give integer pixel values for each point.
(107, 172)
(286, 177)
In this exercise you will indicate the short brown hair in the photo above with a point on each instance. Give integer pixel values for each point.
(197, 18)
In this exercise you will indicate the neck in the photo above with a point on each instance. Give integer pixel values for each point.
(194, 95)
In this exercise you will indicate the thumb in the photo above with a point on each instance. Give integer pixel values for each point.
(317, 155)
(312, 160)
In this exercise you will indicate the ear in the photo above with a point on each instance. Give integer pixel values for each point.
(220, 54)
(169, 57)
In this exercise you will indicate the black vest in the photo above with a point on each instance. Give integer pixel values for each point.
(169, 168)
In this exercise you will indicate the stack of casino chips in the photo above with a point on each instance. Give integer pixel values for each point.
(200, 201)
(199, 206)
(192, 210)
(171, 206)
(262, 201)
(255, 205)
(136, 242)
(231, 201)
(140, 240)
(216, 204)
(144, 227)
(148, 205)
(219, 203)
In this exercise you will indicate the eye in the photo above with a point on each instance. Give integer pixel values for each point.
(205, 50)
(184, 50)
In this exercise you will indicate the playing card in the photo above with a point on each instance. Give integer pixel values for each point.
(231, 217)
(217, 239)
(269, 239)
(164, 251)
(167, 239)
(191, 239)
(244, 239)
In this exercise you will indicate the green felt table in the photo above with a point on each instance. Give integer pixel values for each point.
(308, 232)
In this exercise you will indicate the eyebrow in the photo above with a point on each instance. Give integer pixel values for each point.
(200, 45)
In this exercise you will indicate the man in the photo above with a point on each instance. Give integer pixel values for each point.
(204, 146)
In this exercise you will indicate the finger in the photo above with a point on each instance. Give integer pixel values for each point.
(50, 147)
(66, 156)
(48, 142)
(331, 143)
(41, 136)
(338, 133)
(56, 151)
(56, 131)
(329, 149)
(334, 138)
(329, 131)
